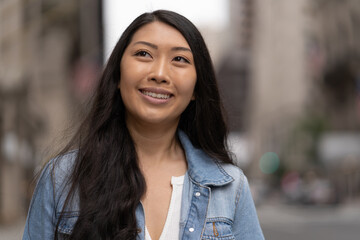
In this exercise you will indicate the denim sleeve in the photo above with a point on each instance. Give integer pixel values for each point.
(40, 222)
(246, 223)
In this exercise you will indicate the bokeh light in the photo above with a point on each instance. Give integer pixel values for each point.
(269, 163)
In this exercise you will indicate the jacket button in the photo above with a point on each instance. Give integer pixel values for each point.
(191, 229)
(197, 194)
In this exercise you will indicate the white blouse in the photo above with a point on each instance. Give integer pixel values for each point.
(171, 227)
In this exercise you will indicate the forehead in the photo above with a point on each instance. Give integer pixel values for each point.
(159, 33)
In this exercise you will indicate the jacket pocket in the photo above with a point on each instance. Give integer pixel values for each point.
(218, 229)
(67, 222)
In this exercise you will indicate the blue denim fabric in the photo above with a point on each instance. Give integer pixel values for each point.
(216, 201)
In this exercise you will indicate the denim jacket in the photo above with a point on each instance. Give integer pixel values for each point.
(216, 201)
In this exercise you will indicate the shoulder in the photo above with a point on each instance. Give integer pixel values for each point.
(235, 172)
(244, 217)
(57, 168)
(62, 165)
(231, 188)
(236, 187)
(240, 185)
(225, 198)
(48, 197)
(55, 176)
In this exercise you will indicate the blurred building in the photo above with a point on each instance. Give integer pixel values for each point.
(50, 53)
(305, 87)
(290, 81)
(333, 54)
(234, 76)
(280, 84)
(234, 69)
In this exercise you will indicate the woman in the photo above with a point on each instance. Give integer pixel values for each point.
(150, 160)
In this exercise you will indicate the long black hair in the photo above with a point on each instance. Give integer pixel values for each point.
(106, 176)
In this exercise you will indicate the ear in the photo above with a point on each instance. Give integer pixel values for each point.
(193, 97)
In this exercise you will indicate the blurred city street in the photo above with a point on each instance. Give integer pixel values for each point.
(288, 73)
(285, 222)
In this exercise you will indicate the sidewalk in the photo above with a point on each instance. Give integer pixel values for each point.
(283, 222)
(12, 232)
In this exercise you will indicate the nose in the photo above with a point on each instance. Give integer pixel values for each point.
(160, 71)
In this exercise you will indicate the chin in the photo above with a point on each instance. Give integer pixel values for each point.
(156, 119)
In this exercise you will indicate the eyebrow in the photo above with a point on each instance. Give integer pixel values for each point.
(181, 49)
(156, 47)
(147, 44)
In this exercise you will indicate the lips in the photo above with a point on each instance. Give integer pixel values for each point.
(156, 93)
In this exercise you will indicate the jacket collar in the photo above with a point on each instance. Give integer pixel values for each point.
(202, 168)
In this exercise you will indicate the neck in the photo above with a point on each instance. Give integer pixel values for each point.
(154, 144)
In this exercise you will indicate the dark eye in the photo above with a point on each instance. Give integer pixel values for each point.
(181, 59)
(142, 54)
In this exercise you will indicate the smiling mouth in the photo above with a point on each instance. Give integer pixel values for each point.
(156, 95)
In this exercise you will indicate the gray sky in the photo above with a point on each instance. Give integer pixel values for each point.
(118, 14)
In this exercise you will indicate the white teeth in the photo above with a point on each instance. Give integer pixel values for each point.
(156, 95)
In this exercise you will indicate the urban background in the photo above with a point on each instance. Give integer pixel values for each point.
(289, 73)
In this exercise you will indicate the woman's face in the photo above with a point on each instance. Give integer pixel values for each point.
(158, 75)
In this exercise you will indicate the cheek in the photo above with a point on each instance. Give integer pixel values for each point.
(185, 80)
(191, 89)
(132, 74)
(188, 87)
(122, 84)
(126, 72)
(127, 77)
(125, 85)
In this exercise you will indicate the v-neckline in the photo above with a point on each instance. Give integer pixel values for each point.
(174, 181)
